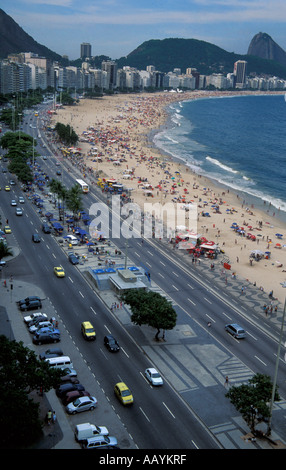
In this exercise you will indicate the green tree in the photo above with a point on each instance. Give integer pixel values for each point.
(252, 399)
(5, 250)
(20, 373)
(60, 191)
(74, 200)
(150, 308)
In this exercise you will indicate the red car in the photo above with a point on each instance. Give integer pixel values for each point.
(72, 396)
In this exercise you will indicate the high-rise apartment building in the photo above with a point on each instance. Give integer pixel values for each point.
(239, 72)
(110, 67)
(85, 50)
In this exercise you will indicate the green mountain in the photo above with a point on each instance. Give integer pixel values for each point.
(165, 54)
(13, 39)
(207, 58)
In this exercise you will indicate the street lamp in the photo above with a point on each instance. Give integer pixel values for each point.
(19, 114)
(276, 371)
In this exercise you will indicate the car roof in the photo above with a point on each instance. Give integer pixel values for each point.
(87, 324)
(122, 386)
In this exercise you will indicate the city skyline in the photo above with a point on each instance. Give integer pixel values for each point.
(116, 27)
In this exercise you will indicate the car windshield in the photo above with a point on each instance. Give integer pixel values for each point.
(125, 393)
(155, 375)
(89, 330)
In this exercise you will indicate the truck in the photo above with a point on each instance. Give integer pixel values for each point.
(85, 431)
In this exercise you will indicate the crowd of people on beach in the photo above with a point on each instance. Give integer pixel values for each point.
(114, 141)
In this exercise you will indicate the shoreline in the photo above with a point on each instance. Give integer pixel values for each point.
(252, 200)
(124, 127)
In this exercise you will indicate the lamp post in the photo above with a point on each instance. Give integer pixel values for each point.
(276, 371)
(19, 114)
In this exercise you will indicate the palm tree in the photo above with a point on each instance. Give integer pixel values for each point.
(74, 202)
(60, 191)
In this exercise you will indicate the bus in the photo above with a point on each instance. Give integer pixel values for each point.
(83, 185)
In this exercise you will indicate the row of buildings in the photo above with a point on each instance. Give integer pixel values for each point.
(27, 71)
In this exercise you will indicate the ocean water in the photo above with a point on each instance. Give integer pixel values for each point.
(238, 141)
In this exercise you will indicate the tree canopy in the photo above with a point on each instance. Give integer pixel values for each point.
(252, 399)
(150, 308)
(20, 373)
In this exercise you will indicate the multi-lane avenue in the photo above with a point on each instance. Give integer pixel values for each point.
(180, 414)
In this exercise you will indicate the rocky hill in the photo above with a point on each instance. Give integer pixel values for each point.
(262, 45)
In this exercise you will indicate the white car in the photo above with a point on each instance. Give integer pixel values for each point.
(72, 239)
(21, 200)
(18, 211)
(41, 324)
(31, 317)
(13, 202)
(81, 404)
(153, 376)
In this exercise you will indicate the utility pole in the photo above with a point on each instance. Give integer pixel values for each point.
(276, 371)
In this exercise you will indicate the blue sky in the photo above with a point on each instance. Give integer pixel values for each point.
(116, 27)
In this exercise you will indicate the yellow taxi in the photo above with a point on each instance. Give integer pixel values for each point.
(123, 393)
(7, 188)
(87, 330)
(59, 271)
(7, 229)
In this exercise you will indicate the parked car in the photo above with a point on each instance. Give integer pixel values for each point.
(40, 325)
(72, 258)
(123, 393)
(86, 430)
(153, 376)
(52, 352)
(100, 442)
(72, 239)
(36, 319)
(36, 238)
(72, 396)
(34, 316)
(111, 343)
(63, 389)
(44, 338)
(69, 379)
(81, 404)
(7, 229)
(28, 299)
(32, 305)
(70, 372)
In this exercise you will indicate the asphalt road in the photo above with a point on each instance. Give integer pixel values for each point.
(159, 418)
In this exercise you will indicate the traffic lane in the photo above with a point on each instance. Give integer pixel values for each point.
(257, 351)
(124, 367)
(164, 416)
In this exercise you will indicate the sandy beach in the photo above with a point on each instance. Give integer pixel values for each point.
(114, 144)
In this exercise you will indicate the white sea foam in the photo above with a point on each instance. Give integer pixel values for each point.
(221, 165)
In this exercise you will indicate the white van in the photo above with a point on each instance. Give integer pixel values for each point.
(60, 362)
(86, 430)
